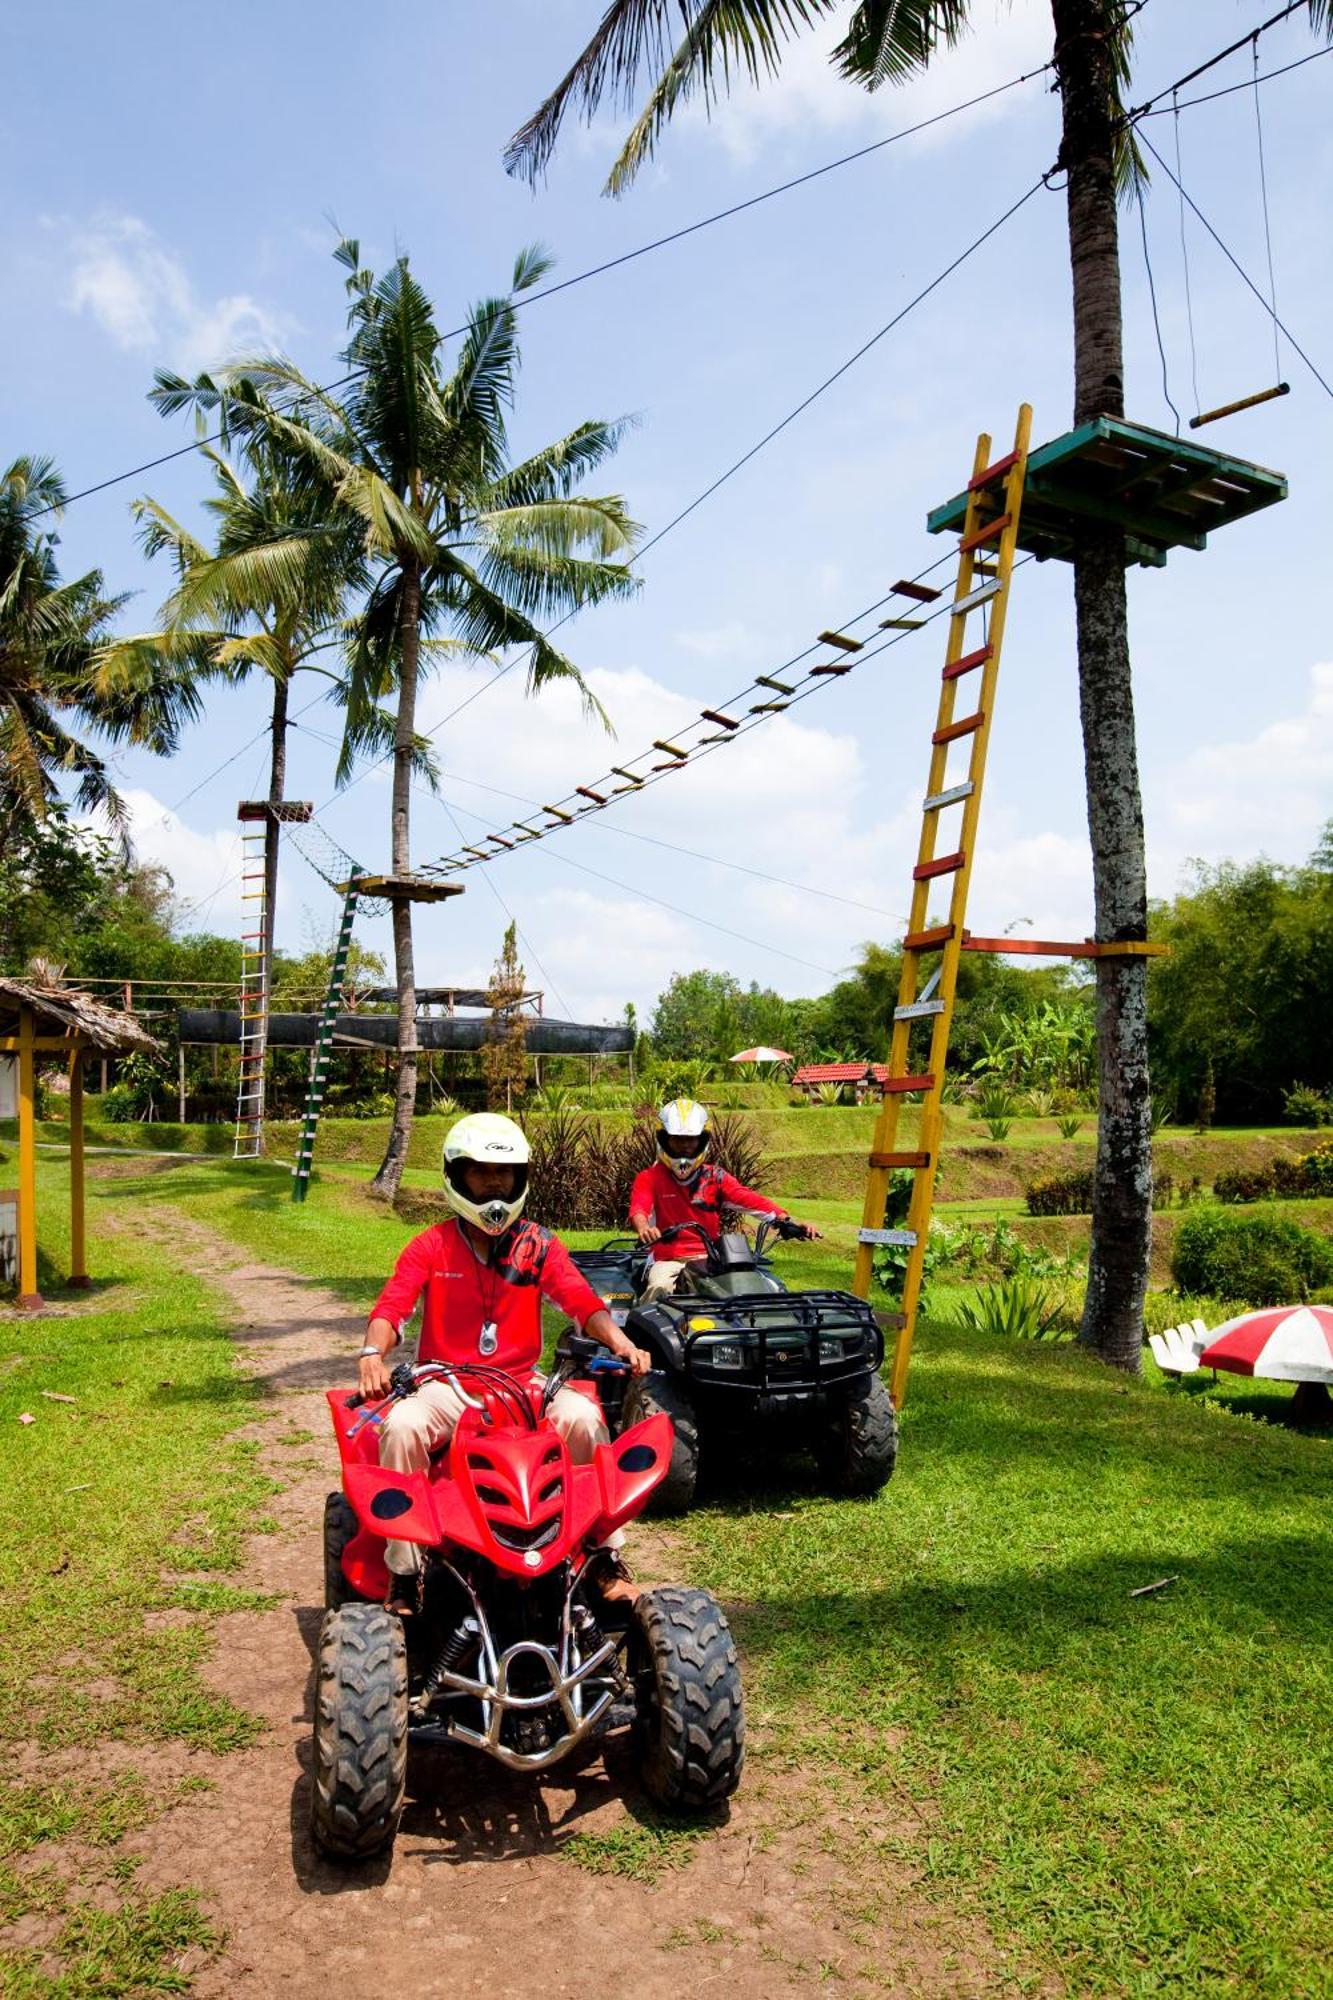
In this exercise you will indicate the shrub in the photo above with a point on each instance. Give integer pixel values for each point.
(1060, 1194)
(1246, 1184)
(828, 1093)
(1019, 1309)
(581, 1172)
(1265, 1260)
(1068, 1124)
(1316, 1169)
(1303, 1105)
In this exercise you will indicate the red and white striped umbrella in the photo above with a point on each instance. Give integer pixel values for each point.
(762, 1055)
(1281, 1343)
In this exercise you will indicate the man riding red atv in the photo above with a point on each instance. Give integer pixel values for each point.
(512, 1627)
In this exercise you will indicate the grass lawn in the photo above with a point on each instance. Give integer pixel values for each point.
(137, 1474)
(1133, 1790)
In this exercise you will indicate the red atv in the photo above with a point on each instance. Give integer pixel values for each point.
(515, 1652)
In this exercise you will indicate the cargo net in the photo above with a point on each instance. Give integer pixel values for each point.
(333, 864)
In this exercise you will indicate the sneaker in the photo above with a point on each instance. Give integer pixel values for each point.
(404, 1593)
(612, 1577)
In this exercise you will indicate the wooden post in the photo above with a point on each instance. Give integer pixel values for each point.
(29, 1297)
(78, 1260)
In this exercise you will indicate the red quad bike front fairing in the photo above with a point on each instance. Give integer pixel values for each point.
(513, 1650)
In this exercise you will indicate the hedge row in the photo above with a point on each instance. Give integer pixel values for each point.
(1283, 1179)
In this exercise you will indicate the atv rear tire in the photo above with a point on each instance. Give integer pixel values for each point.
(340, 1526)
(656, 1394)
(691, 1718)
(860, 1444)
(360, 1770)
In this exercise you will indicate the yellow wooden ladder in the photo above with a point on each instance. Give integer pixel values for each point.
(976, 634)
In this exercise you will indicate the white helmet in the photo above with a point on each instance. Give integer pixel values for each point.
(486, 1140)
(683, 1118)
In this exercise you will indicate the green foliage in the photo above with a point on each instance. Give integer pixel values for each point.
(1245, 988)
(1068, 1124)
(1289, 1179)
(1266, 1260)
(504, 1055)
(582, 1170)
(1018, 1309)
(1068, 1193)
(1303, 1105)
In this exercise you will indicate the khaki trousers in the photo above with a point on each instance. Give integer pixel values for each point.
(421, 1423)
(661, 1279)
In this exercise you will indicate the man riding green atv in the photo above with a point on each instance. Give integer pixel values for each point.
(732, 1350)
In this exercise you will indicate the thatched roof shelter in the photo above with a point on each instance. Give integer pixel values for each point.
(64, 1011)
(40, 1018)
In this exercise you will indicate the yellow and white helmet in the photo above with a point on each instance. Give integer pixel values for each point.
(682, 1136)
(484, 1139)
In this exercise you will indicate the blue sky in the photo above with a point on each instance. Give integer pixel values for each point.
(169, 188)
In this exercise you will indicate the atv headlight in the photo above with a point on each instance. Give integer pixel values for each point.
(829, 1350)
(721, 1353)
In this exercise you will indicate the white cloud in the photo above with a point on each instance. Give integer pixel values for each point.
(809, 93)
(141, 295)
(732, 640)
(1271, 791)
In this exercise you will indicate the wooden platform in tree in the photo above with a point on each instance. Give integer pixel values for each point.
(402, 888)
(1164, 492)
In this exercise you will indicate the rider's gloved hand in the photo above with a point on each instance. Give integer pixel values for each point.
(804, 1232)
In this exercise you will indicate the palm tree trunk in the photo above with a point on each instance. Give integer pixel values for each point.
(390, 1173)
(277, 780)
(1122, 1189)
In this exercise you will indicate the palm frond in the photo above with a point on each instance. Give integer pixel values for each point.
(561, 527)
(558, 467)
(638, 36)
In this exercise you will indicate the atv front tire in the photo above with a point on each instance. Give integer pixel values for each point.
(860, 1444)
(656, 1394)
(340, 1526)
(691, 1718)
(360, 1772)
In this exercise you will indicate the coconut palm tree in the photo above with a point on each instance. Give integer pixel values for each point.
(459, 543)
(889, 41)
(52, 684)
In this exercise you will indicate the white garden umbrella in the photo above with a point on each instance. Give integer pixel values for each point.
(1279, 1343)
(764, 1055)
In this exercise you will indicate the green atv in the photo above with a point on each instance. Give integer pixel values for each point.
(735, 1354)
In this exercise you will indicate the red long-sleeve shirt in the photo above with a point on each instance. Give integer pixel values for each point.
(660, 1198)
(463, 1292)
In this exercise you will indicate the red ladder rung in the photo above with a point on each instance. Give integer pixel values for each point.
(901, 1086)
(899, 1159)
(969, 661)
(986, 534)
(993, 472)
(928, 940)
(951, 731)
(947, 864)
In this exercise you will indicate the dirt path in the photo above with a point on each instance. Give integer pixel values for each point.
(478, 1895)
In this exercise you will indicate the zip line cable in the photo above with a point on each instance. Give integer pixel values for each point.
(674, 847)
(521, 936)
(1201, 69)
(610, 264)
(1152, 294)
(1239, 268)
(1268, 231)
(737, 464)
(1151, 110)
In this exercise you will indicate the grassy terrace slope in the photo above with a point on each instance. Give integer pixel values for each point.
(1133, 1789)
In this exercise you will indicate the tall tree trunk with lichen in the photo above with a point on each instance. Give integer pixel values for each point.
(1122, 1190)
(390, 1173)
